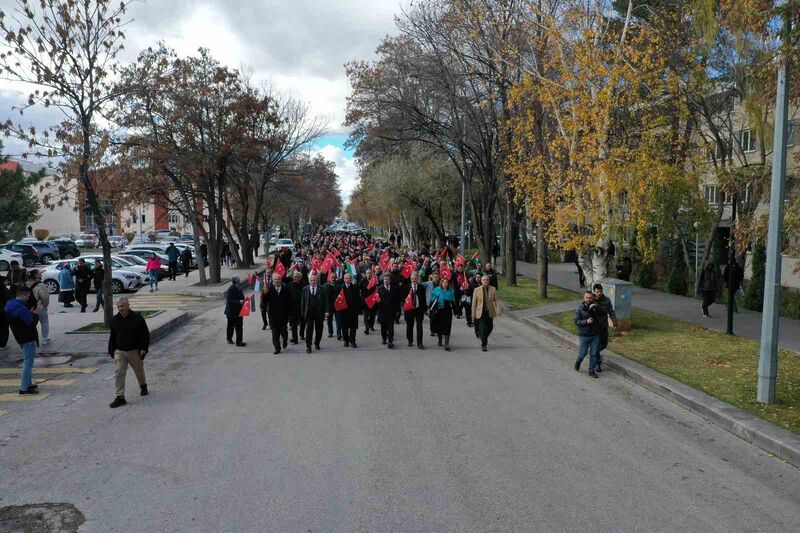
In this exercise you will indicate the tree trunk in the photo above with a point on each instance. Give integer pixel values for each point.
(542, 263)
(510, 266)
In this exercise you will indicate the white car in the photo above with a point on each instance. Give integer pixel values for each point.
(117, 241)
(122, 280)
(281, 244)
(87, 240)
(6, 256)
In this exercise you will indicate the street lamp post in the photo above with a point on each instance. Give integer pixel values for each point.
(731, 270)
(696, 256)
(463, 216)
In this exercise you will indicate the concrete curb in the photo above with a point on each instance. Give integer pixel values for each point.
(169, 326)
(209, 292)
(757, 431)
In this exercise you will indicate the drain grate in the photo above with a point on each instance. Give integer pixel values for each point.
(41, 518)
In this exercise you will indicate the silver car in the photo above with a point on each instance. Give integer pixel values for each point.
(121, 280)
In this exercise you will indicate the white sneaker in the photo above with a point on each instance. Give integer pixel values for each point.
(45, 342)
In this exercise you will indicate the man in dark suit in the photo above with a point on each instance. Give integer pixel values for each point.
(234, 298)
(350, 315)
(313, 311)
(279, 304)
(388, 309)
(415, 316)
(295, 316)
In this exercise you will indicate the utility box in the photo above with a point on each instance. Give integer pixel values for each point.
(620, 293)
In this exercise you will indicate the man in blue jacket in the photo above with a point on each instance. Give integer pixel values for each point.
(23, 325)
(587, 319)
(172, 254)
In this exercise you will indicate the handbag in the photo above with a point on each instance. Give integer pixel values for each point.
(433, 310)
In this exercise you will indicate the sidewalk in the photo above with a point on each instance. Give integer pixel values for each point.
(62, 320)
(746, 324)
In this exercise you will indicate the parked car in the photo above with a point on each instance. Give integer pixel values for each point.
(142, 262)
(282, 243)
(48, 251)
(117, 241)
(166, 240)
(66, 237)
(30, 256)
(122, 280)
(87, 240)
(119, 262)
(145, 254)
(187, 238)
(163, 234)
(6, 256)
(67, 249)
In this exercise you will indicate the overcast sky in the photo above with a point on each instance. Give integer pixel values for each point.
(300, 46)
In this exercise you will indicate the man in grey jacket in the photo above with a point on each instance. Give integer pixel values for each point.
(605, 312)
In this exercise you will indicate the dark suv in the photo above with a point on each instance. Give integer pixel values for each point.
(67, 249)
(48, 251)
(30, 256)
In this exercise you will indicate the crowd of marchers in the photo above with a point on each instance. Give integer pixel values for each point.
(350, 283)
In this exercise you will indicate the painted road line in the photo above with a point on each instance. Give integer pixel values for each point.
(53, 370)
(16, 397)
(53, 382)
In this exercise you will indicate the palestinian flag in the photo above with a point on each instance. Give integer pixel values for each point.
(350, 266)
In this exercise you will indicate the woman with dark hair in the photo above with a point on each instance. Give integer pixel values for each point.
(443, 306)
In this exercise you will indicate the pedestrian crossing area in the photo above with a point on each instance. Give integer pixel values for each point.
(168, 302)
(50, 381)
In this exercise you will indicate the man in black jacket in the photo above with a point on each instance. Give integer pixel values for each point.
(97, 278)
(128, 344)
(350, 315)
(83, 282)
(587, 319)
(416, 291)
(295, 316)
(234, 299)
(313, 311)
(279, 303)
(388, 309)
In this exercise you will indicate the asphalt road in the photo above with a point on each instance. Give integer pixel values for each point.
(377, 440)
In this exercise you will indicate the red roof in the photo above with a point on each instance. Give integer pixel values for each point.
(9, 165)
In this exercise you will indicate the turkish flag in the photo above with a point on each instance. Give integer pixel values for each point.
(250, 279)
(408, 269)
(460, 260)
(372, 299)
(245, 308)
(336, 252)
(316, 264)
(462, 281)
(445, 272)
(328, 264)
(280, 269)
(341, 302)
(373, 282)
(408, 305)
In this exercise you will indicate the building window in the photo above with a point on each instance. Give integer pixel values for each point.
(144, 219)
(174, 218)
(747, 139)
(712, 194)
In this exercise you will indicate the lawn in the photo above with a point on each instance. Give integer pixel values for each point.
(524, 295)
(99, 327)
(722, 366)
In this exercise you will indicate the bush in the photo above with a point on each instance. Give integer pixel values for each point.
(677, 276)
(41, 233)
(130, 236)
(754, 293)
(790, 303)
(647, 276)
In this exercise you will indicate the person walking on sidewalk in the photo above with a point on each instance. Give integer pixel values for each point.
(606, 312)
(485, 307)
(709, 285)
(153, 268)
(83, 282)
(278, 308)
(186, 260)
(98, 274)
(587, 318)
(128, 344)
(313, 311)
(388, 310)
(41, 299)
(66, 286)
(172, 261)
(234, 298)
(416, 314)
(23, 325)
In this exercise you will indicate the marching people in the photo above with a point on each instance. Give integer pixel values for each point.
(83, 283)
(172, 261)
(605, 313)
(279, 305)
(313, 311)
(414, 316)
(488, 270)
(263, 303)
(388, 310)
(153, 269)
(336, 284)
(588, 321)
(17, 276)
(41, 298)
(66, 286)
(350, 315)
(128, 344)
(295, 316)
(443, 306)
(485, 307)
(430, 285)
(22, 322)
(709, 285)
(186, 260)
(234, 299)
(98, 273)
(367, 286)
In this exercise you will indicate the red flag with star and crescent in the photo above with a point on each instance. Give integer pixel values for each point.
(408, 269)
(372, 299)
(245, 308)
(341, 302)
(408, 305)
(445, 272)
(280, 269)
(328, 264)
(373, 282)
(462, 281)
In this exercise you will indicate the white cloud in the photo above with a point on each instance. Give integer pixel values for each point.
(346, 169)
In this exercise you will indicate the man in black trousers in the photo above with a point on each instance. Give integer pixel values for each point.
(313, 311)
(279, 304)
(388, 310)
(234, 298)
(350, 315)
(417, 313)
(295, 316)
